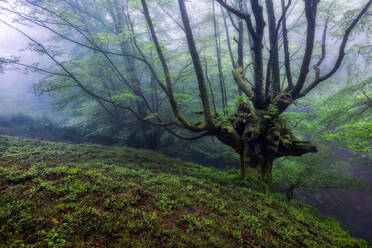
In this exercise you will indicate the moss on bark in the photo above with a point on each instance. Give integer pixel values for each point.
(259, 137)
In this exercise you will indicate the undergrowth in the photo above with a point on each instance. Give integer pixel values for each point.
(61, 195)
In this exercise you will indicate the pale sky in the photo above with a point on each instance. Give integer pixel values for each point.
(16, 95)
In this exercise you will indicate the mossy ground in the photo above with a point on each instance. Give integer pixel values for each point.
(61, 195)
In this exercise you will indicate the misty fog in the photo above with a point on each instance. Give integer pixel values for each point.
(278, 91)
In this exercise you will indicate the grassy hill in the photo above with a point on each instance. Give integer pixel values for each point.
(62, 195)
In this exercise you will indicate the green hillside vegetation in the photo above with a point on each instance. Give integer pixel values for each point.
(62, 195)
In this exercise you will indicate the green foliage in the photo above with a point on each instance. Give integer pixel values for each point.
(355, 136)
(272, 112)
(211, 149)
(312, 172)
(164, 202)
(192, 222)
(183, 97)
(346, 117)
(230, 111)
(341, 120)
(151, 116)
(125, 96)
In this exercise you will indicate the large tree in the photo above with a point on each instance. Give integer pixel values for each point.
(254, 130)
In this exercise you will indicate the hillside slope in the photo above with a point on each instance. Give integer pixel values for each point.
(61, 195)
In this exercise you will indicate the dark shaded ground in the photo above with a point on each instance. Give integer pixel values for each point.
(37, 128)
(351, 207)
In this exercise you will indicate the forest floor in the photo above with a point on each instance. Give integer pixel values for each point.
(64, 195)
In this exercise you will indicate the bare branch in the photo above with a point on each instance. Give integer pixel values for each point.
(257, 9)
(240, 14)
(273, 64)
(238, 75)
(210, 84)
(324, 36)
(170, 16)
(94, 45)
(219, 63)
(35, 68)
(85, 89)
(341, 53)
(197, 65)
(286, 47)
(310, 11)
(228, 38)
(187, 137)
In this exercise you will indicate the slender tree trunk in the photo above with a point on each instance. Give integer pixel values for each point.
(228, 38)
(240, 40)
(219, 63)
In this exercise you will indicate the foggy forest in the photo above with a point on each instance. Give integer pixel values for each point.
(186, 123)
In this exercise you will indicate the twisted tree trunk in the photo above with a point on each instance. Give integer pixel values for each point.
(259, 137)
(257, 165)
